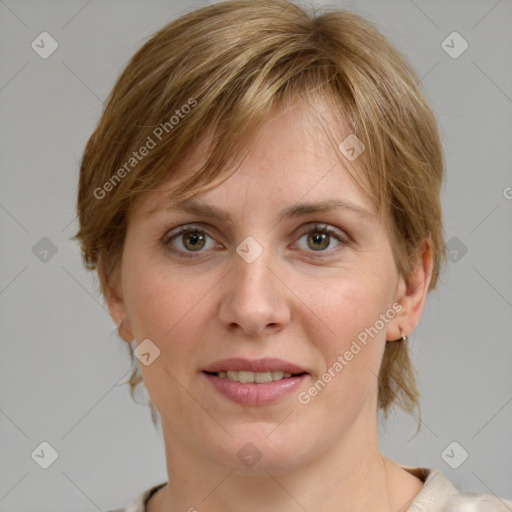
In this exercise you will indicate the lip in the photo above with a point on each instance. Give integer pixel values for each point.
(252, 393)
(254, 365)
(255, 394)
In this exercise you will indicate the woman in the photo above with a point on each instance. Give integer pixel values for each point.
(261, 200)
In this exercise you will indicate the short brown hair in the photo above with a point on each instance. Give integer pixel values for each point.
(216, 73)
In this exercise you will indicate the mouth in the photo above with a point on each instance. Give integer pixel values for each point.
(246, 377)
(255, 382)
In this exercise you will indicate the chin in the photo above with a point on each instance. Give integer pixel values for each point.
(259, 455)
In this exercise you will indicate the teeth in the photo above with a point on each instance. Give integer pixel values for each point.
(231, 375)
(244, 376)
(258, 377)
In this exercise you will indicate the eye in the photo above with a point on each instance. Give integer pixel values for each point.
(319, 237)
(188, 239)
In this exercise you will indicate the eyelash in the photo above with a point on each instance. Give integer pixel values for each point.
(191, 228)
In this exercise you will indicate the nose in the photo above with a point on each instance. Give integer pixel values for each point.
(254, 298)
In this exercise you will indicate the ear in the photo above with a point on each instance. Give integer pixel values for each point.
(412, 295)
(111, 284)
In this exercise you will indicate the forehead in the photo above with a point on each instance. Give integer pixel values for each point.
(293, 157)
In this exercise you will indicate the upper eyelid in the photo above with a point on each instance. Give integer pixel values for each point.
(340, 234)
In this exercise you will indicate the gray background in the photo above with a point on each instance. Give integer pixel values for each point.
(62, 364)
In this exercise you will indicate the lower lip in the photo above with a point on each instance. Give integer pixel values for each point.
(251, 393)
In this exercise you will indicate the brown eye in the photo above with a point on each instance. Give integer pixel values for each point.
(187, 240)
(318, 240)
(193, 240)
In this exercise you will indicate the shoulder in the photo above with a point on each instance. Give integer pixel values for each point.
(439, 495)
(139, 503)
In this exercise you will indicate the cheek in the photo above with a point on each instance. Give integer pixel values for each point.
(154, 300)
(166, 305)
(165, 309)
(153, 307)
(340, 316)
(344, 306)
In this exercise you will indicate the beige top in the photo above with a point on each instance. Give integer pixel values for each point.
(437, 495)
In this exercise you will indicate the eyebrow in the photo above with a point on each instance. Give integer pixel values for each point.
(297, 210)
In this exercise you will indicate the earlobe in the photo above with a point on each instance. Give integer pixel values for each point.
(125, 331)
(412, 294)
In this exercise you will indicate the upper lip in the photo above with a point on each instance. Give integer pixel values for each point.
(254, 365)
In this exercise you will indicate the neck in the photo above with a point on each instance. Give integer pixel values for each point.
(345, 478)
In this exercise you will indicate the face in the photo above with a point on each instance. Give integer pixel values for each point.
(304, 288)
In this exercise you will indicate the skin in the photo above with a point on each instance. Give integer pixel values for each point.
(290, 303)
